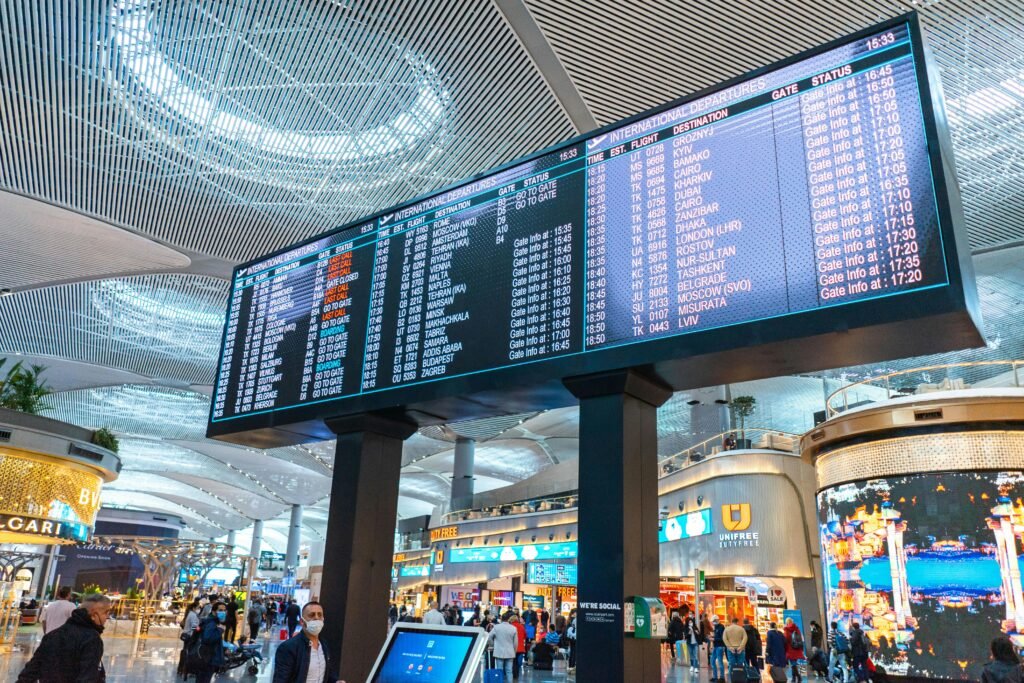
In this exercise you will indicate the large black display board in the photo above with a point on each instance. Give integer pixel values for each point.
(803, 199)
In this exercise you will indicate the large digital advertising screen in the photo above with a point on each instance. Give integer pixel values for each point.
(514, 553)
(929, 565)
(804, 186)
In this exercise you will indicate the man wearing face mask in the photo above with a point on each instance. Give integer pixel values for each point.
(303, 658)
(213, 644)
(72, 653)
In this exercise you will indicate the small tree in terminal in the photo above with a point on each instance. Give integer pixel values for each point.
(23, 388)
(741, 408)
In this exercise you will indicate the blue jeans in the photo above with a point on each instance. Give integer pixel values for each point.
(506, 666)
(694, 655)
(837, 665)
(736, 658)
(718, 662)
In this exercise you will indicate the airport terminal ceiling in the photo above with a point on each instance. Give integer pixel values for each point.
(212, 136)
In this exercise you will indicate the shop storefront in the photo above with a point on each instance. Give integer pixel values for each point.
(746, 523)
(410, 578)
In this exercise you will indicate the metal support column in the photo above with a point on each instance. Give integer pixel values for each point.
(618, 520)
(360, 538)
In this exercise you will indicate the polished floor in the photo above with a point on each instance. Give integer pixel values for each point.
(154, 660)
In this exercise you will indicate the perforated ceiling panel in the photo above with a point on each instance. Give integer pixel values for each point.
(235, 128)
(625, 57)
(44, 244)
(161, 326)
(134, 409)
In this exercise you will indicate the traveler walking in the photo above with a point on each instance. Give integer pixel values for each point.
(717, 648)
(1005, 665)
(72, 653)
(707, 636)
(189, 625)
(839, 653)
(433, 616)
(303, 658)
(392, 615)
(517, 665)
(291, 615)
(816, 637)
(693, 643)
(775, 653)
(255, 618)
(570, 633)
(56, 613)
(211, 644)
(504, 637)
(231, 623)
(794, 648)
(675, 636)
(735, 639)
(271, 614)
(859, 651)
(753, 649)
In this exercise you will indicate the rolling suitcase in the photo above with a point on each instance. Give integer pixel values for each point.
(494, 676)
(738, 673)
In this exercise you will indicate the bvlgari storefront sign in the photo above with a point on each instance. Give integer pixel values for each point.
(46, 499)
(47, 528)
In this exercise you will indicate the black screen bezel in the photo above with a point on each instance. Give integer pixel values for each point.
(537, 380)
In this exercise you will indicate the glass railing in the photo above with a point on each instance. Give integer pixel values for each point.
(548, 504)
(755, 437)
(926, 380)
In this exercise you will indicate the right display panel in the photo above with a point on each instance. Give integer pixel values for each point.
(928, 565)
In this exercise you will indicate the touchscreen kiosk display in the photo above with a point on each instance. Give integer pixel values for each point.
(427, 656)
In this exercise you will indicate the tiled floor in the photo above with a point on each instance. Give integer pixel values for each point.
(154, 660)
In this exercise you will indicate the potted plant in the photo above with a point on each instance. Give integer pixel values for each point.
(104, 438)
(23, 388)
(742, 407)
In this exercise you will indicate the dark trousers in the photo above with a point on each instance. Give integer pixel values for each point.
(860, 667)
(204, 676)
(254, 629)
(752, 656)
(517, 665)
(292, 625)
(229, 631)
(796, 670)
(572, 654)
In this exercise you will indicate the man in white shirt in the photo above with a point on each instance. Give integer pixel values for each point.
(434, 616)
(57, 612)
(303, 658)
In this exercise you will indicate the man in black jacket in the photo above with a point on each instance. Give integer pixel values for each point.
(74, 652)
(296, 656)
(754, 649)
(291, 616)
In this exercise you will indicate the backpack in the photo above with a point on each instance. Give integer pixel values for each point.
(198, 654)
(842, 643)
(796, 640)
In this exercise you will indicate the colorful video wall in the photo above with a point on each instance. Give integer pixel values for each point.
(929, 565)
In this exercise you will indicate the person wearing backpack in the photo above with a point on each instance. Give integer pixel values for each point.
(859, 650)
(794, 648)
(189, 625)
(839, 653)
(206, 647)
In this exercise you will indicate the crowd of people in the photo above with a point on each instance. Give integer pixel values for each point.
(841, 656)
(516, 638)
(71, 650)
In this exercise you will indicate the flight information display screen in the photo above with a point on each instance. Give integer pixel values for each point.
(801, 187)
